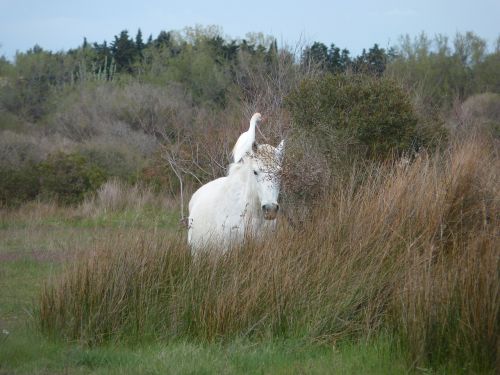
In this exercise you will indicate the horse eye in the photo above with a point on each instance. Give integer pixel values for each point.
(255, 173)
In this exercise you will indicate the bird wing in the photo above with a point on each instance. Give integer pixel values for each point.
(239, 148)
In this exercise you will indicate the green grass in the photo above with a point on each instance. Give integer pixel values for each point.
(60, 233)
(149, 217)
(36, 243)
(23, 350)
(28, 353)
(20, 283)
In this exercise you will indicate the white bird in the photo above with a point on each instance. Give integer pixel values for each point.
(245, 141)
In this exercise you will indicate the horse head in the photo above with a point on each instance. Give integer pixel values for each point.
(264, 165)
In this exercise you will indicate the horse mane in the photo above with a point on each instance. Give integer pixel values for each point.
(235, 167)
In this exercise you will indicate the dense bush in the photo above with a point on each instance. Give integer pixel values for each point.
(375, 113)
(19, 149)
(18, 184)
(114, 159)
(481, 112)
(69, 177)
(121, 110)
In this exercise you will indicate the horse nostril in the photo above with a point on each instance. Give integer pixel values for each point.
(270, 207)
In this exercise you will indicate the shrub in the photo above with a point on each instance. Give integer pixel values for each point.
(18, 184)
(482, 112)
(430, 131)
(116, 160)
(69, 177)
(115, 195)
(375, 112)
(305, 178)
(9, 121)
(18, 150)
(97, 109)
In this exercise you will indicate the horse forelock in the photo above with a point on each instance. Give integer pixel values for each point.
(265, 155)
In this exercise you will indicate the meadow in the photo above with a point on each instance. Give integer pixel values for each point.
(40, 241)
(387, 277)
(385, 259)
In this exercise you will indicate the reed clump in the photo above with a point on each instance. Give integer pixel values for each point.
(410, 248)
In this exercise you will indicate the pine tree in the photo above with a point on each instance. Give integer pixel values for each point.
(163, 39)
(124, 52)
(376, 60)
(334, 60)
(345, 60)
(272, 53)
(139, 44)
(316, 54)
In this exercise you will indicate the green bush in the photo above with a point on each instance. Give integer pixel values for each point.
(18, 185)
(115, 160)
(374, 113)
(18, 149)
(69, 177)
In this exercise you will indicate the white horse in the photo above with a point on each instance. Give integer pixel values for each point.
(244, 202)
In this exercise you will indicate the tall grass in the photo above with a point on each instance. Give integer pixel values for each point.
(115, 195)
(412, 249)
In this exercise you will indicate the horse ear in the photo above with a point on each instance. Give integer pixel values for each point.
(280, 148)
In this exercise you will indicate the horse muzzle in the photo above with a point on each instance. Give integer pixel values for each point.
(270, 211)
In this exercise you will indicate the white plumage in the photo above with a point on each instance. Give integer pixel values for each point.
(246, 139)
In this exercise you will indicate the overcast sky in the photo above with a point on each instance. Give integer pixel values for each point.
(62, 24)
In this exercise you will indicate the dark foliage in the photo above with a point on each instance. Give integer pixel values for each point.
(69, 177)
(375, 113)
(18, 185)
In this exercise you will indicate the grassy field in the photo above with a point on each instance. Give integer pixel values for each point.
(35, 244)
(396, 274)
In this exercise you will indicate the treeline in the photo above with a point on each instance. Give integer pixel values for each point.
(209, 66)
(137, 108)
(201, 60)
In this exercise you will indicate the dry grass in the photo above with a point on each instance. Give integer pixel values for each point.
(413, 248)
(115, 195)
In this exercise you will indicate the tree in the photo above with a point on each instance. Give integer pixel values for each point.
(469, 48)
(317, 54)
(162, 40)
(139, 44)
(124, 52)
(36, 73)
(345, 60)
(334, 59)
(272, 53)
(374, 61)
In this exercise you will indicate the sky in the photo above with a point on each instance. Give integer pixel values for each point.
(62, 24)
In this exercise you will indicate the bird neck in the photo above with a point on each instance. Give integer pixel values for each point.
(253, 124)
